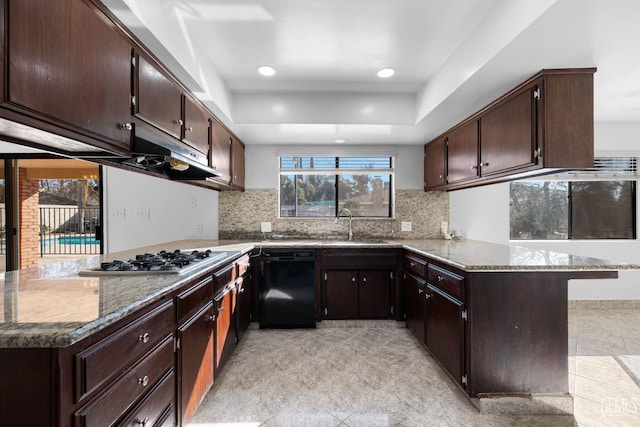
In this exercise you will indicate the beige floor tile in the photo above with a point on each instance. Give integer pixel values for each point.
(352, 374)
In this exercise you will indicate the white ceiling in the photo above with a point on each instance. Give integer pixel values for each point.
(451, 58)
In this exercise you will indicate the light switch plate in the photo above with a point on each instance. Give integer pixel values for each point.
(265, 227)
(405, 226)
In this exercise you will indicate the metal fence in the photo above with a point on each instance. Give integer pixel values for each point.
(63, 230)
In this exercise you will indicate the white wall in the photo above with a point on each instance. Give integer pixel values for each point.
(175, 210)
(261, 162)
(483, 214)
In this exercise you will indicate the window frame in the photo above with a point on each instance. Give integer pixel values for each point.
(337, 171)
(570, 188)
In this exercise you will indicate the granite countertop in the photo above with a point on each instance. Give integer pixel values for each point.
(52, 306)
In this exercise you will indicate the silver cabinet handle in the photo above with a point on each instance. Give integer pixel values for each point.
(427, 296)
(353, 279)
(179, 122)
(220, 309)
(126, 126)
(484, 164)
(440, 279)
(412, 264)
(211, 317)
(420, 291)
(364, 279)
(190, 129)
(144, 381)
(144, 422)
(474, 167)
(144, 337)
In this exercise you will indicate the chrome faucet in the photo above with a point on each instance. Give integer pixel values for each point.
(348, 212)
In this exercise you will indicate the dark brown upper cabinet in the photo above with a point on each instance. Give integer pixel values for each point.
(221, 151)
(196, 126)
(158, 100)
(227, 157)
(67, 71)
(543, 125)
(435, 163)
(462, 149)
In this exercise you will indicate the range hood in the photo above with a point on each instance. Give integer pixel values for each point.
(168, 158)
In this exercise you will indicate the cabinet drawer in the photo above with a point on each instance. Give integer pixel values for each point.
(415, 265)
(359, 258)
(157, 409)
(114, 354)
(243, 265)
(223, 276)
(194, 298)
(117, 399)
(446, 280)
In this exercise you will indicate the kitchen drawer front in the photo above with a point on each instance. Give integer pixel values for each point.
(157, 408)
(359, 258)
(415, 265)
(114, 354)
(223, 276)
(446, 280)
(243, 265)
(122, 395)
(194, 298)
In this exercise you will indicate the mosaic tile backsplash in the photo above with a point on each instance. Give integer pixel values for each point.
(240, 215)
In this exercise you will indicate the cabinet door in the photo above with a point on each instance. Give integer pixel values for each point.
(341, 294)
(195, 361)
(196, 126)
(244, 305)
(237, 163)
(221, 151)
(67, 62)
(507, 134)
(374, 294)
(444, 332)
(462, 153)
(414, 300)
(225, 327)
(434, 164)
(158, 98)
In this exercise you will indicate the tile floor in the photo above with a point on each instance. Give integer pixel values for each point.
(377, 374)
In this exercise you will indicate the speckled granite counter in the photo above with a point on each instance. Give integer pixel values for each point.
(51, 306)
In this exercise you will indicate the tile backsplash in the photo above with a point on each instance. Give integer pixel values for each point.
(240, 215)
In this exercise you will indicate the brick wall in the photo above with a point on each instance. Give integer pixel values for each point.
(29, 223)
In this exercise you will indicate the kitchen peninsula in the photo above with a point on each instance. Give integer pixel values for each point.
(495, 318)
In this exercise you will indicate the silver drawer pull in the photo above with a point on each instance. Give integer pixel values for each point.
(427, 296)
(144, 381)
(413, 264)
(211, 317)
(353, 279)
(144, 422)
(364, 279)
(440, 278)
(144, 337)
(420, 291)
(220, 309)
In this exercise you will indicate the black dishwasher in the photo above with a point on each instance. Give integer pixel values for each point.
(286, 289)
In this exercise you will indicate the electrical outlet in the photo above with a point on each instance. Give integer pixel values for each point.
(199, 228)
(117, 214)
(265, 227)
(143, 214)
(405, 226)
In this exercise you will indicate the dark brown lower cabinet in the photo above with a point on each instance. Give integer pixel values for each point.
(494, 332)
(341, 294)
(444, 331)
(414, 305)
(225, 305)
(195, 360)
(357, 294)
(244, 297)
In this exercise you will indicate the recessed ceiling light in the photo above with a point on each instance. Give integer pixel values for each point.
(266, 70)
(341, 140)
(385, 73)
